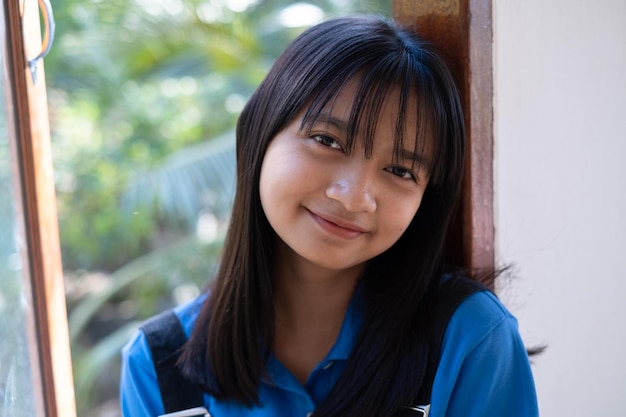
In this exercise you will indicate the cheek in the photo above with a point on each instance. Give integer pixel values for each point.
(403, 216)
(278, 176)
(270, 189)
(268, 178)
(282, 175)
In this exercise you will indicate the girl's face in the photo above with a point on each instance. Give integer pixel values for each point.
(338, 210)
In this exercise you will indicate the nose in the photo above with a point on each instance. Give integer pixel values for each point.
(354, 188)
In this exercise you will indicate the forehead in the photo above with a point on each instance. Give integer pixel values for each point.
(382, 107)
(369, 114)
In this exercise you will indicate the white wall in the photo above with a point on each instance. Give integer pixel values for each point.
(560, 166)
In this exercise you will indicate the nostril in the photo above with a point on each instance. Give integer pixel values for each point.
(354, 197)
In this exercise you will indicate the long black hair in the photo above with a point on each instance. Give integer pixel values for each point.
(233, 335)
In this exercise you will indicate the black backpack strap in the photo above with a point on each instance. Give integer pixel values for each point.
(166, 336)
(451, 293)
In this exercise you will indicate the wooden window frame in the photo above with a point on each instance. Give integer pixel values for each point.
(462, 31)
(33, 158)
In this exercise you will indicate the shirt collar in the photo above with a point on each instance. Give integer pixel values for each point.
(340, 351)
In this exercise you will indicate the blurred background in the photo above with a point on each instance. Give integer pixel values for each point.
(143, 98)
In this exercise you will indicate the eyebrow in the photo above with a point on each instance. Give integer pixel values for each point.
(337, 122)
(418, 159)
(415, 157)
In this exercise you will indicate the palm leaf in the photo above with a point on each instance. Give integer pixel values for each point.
(197, 178)
(132, 272)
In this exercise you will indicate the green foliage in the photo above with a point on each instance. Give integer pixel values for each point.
(128, 88)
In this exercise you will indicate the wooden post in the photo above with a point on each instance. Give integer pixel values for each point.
(461, 31)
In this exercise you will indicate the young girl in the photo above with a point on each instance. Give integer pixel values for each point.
(349, 161)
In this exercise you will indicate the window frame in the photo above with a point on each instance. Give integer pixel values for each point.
(30, 143)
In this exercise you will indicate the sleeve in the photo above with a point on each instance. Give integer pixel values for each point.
(485, 369)
(139, 388)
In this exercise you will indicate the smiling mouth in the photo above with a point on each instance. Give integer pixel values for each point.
(338, 228)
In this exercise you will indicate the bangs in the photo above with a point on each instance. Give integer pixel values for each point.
(404, 83)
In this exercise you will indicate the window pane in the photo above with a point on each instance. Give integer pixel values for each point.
(20, 390)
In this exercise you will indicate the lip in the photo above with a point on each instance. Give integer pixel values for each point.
(337, 226)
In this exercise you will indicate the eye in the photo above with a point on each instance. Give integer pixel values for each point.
(327, 141)
(402, 173)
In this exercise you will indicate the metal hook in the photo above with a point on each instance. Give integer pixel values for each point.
(48, 37)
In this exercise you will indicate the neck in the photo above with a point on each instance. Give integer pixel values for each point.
(307, 293)
(310, 305)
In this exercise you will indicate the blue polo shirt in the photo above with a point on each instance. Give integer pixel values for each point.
(484, 370)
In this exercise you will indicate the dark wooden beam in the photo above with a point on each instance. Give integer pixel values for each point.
(461, 31)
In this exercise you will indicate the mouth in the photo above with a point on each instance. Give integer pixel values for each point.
(336, 226)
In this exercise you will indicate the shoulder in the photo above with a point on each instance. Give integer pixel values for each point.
(479, 322)
(186, 313)
(476, 317)
(139, 390)
(484, 366)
